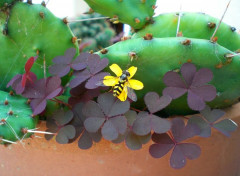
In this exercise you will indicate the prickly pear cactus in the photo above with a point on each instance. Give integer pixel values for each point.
(155, 57)
(136, 13)
(192, 25)
(15, 118)
(97, 34)
(30, 30)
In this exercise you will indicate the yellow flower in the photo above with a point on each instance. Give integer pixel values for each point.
(123, 80)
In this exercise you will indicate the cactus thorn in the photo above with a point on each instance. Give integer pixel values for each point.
(7, 141)
(148, 36)
(91, 51)
(212, 38)
(28, 101)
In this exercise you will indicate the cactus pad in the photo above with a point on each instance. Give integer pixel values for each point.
(157, 56)
(28, 31)
(192, 25)
(15, 115)
(136, 13)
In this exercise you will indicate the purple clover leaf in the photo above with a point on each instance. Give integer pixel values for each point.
(92, 74)
(81, 94)
(108, 115)
(86, 139)
(148, 121)
(211, 119)
(132, 140)
(41, 91)
(194, 83)
(181, 151)
(59, 124)
(63, 64)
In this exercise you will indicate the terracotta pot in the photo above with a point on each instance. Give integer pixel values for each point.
(220, 157)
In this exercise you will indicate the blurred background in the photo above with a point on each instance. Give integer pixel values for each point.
(101, 33)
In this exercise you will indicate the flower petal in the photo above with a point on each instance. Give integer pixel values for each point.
(188, 71)
(132, 70)
(116, 69)
(135, 84)
(110, 80)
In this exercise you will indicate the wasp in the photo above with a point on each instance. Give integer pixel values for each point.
(123, 84)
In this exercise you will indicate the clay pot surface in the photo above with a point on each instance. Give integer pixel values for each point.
(38, 157)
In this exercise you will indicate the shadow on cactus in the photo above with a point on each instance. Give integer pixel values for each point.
(96, 111)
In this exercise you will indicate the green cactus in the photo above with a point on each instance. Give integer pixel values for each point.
(97, 33)
(15, 118)
(192, 25)
(136, 13)
(28, 31)
(157, 56)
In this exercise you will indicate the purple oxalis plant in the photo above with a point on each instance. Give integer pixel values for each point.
(192, 82)
(174, 140)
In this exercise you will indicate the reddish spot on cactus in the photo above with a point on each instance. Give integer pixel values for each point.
(211, 25)
(24, 130)
(154, 7)
(186, 42)
(6, 102)
(65, 20)
(74, 39)
(137, 20)
(148, 36)
(214, 39)
(11, 93)
(125, 38)
(10, 113)
(132, 55)
(180, 34)
(189, 60)
(218, 66)
(104, 51)
(43, 4)
(41, 14)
